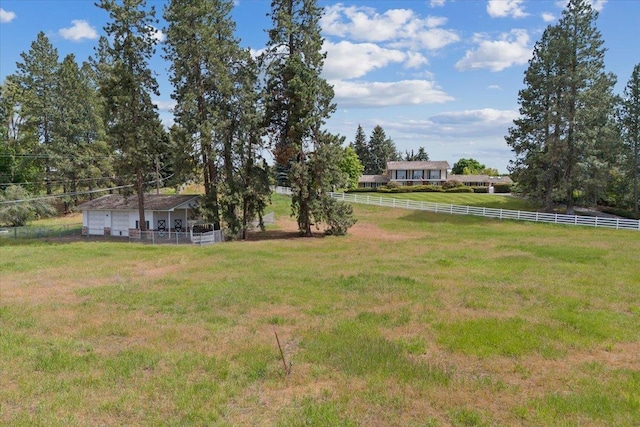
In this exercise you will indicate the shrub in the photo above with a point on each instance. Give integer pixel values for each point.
(502, 188)
(362, 190)
(480, 189)
(459, 190)
(452, 183)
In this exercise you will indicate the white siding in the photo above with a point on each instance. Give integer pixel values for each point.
(120, 223)
(96, 222)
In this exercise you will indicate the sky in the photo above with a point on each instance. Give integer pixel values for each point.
(438, 74)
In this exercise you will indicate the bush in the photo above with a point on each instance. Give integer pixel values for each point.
(452, 183)
(17, 214)
(459, 190)
(395, 189)
(480, 189)
(502, 188)
(361, 190)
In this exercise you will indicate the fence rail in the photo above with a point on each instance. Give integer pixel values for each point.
(41, 232)
(74, 231)
(591, 221)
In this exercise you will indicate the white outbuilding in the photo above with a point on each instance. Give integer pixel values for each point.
(117, 215)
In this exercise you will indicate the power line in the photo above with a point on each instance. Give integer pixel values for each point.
(77, 193)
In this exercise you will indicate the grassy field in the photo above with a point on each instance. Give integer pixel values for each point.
(412, 319)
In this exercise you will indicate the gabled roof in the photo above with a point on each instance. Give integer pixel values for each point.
(152, 202)
(437, 165)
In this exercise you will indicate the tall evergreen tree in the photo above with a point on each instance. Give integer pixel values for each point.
(126, 84)
(36, 77)
(80, 152)
(381, 150)
(630, 121)
(536, 136)
(420, 156)
(359, 145)
(297, 103)
(216, 95)
(564, 133)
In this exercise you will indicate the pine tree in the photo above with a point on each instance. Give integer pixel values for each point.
(630, 121)
(381, 150)
(36, 78)
(79, 153)
(535, 138)
(359, 145)
(565, 132)
(216, 95)
(126, 84)
(420, 156)
(297, 103)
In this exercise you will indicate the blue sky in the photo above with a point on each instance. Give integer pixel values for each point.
(441, 74)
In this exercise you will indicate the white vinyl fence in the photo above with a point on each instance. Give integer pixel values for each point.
(617, 223)
(591, 221)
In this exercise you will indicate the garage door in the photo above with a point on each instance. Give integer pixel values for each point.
(95, 222)
(120, 225)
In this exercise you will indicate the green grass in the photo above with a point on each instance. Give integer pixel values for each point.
(413, 318)
(497, 201)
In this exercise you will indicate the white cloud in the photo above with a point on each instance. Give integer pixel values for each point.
(415, 60)
(494, 87)
(483, 117)
(437, 3)
(598, 4)
(384, 94)
(164, 105)
(506, 8)
(158, 35)
(548, 17)
(78, 31)
(595, 4)
(6, 16)
(510, 49)
(346, 60)
(401, 27)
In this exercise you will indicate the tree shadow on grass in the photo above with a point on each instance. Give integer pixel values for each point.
(255, 236)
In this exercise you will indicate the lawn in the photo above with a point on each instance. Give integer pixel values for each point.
(497, 201)
(413, 318)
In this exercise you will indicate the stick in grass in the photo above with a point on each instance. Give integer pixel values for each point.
(284, 362)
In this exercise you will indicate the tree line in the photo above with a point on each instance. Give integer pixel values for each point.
(74, 129)
(575, 140)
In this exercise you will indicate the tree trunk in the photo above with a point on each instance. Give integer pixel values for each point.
(139, 189)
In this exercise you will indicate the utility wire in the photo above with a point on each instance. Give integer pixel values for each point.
(77, 193)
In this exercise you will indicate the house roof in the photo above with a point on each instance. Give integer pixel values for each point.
(374, 178)
(481, 178)
(436, 165)
(152, 202)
